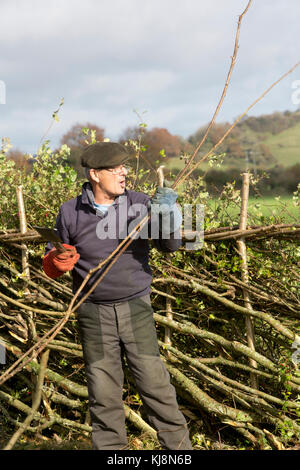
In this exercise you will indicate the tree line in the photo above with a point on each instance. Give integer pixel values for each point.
(244, 144)
(277, 181)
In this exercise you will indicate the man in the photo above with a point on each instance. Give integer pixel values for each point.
(117, 316)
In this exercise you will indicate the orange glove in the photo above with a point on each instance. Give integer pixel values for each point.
(55, 264)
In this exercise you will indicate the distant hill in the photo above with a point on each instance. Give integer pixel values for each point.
(265, 142)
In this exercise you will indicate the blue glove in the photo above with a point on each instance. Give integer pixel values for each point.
(164, 196)
(164, 203)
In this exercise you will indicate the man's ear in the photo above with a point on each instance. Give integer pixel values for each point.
(94, 176)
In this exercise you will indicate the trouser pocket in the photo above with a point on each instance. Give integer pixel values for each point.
(143, 326)
(90, 332)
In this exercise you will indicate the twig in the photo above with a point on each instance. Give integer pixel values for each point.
(233, 61)
(35, 404)
(187, 174)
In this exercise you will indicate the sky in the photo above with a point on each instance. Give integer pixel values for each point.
(117, 63)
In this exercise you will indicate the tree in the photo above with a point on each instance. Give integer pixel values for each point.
(19, 158)
(155, 142)
(76, 139)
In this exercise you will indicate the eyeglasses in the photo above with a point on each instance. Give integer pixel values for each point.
(118, 169)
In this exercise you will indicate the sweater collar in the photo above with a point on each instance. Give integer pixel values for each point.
(89, 198)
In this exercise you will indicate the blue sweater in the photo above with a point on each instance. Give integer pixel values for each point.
(80, 224)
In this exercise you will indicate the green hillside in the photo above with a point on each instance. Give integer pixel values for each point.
(285, 146)
(262, 142)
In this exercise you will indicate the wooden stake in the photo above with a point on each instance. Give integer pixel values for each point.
(23, 229)
(169, 314)
(26, 272)
(245, 276)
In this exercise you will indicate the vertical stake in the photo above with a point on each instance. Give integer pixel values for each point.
(23, 229)
(25, 267)
(169, 314)
(242, 248)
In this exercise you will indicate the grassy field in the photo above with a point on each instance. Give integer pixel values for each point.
(285, 146)
(265, 210)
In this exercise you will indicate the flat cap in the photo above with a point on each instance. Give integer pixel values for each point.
(104, 155)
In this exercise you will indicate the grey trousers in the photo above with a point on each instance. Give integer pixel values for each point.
(106, 330)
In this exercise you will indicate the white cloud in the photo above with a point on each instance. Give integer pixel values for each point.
(130, 85)
(168, 57)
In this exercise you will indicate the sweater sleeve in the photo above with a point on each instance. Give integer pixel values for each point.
(62, 230)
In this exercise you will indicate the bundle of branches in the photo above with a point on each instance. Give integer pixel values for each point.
(217, 234)
(207, 357)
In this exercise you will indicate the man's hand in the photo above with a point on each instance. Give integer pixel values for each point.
(55, 264)
(65, 261)
(164, 196)
(164, 203)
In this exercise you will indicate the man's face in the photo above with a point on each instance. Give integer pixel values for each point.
(112, 180)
